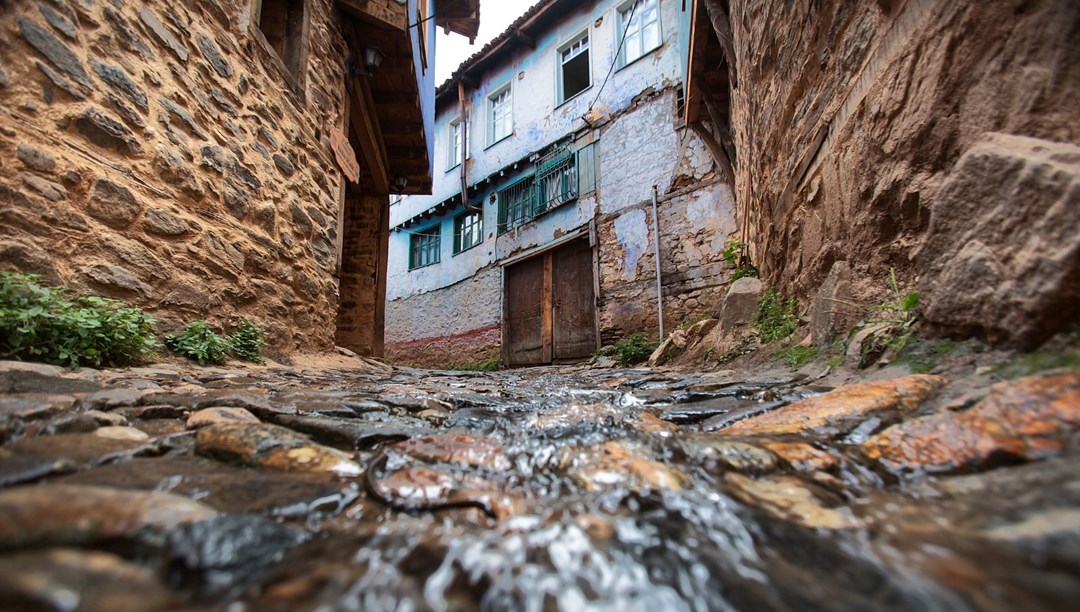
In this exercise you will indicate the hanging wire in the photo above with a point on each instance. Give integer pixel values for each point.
(614, 60)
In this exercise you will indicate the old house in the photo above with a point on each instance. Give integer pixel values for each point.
(219, 159)
(565, 136)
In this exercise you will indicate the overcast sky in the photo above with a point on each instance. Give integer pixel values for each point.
(495, 16)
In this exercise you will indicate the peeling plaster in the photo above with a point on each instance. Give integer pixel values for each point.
(632, 233)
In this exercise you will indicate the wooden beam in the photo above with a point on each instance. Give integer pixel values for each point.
(547, 311)
(525, 39)
(368, 134)
(385, 13)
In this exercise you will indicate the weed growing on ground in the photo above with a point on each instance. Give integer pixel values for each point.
(200, 343)
(776, 318)
(735, 254)
(894, 320)
(490, 364)
(797, 356)
(248, 341)
(635, 348)
(38, 324)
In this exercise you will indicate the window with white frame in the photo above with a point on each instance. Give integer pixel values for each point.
(641, 21)
(468, 231)
(455, 132)
(500, 115)
(575, 75)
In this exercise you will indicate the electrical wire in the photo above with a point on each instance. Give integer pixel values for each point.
(614, 60)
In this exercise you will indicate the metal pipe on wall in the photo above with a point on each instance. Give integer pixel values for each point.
(656, 243)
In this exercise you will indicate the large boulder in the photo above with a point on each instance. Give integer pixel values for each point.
(1002, 256)
(740, 304)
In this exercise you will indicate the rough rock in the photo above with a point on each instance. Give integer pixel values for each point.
(61, 578)
(55, 50)
(802, 456)
(209, 416)
(60, 514)
(456, 449)
(843, 409)
(164, 223)
(1002, 255)
(121, 81)
(212, 53)
(35, 158)
(1027, 419)
(57, 21)
(727, 454)
(106, 132)
(121, 433)
(58, 79)
(740, 304)
(51, 191)
(788, 498)
(163, 34)
(272, 447)
(831, 312)
(619, 464)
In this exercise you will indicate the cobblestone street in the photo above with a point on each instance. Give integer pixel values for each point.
(362, 486)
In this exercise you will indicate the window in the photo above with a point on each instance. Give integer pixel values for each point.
(454, 135)
(501, 115)
(282, 24)
(424, 247)
(642, 31)
(516, 204)
(574, 72)
(468, 231)
(555, 183)
(586, 166)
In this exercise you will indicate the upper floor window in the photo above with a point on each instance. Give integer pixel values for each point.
(455, 133)
(554, 183)
(425, 247)
(281, 23)
(500, 115)
(575, 75)
(641, 21)
(468, 231)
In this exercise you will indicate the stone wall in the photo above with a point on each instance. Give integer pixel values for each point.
(156, 152)
(460, 324)
(697, 216)
(850, 116)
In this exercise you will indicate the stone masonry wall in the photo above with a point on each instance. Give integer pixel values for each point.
(460, 324)
(697, 216)
(849, 117)
(153, 151)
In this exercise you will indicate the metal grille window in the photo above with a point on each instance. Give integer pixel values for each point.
(556, 181)
(643, 31)
(424, 247)
(501, 117)
(468, 231)
(516, 204)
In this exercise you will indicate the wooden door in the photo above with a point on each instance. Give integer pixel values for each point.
(523, 335)
(550, 307)
(574, 320)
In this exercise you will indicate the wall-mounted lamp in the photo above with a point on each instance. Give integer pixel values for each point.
(372, 60)
(399, 183)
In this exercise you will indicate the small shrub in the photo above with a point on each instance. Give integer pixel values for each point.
(200, 343)
(735, 254)
(797, 356)
(634, 349)
(38, 324)
(776, 318)
(248, 341)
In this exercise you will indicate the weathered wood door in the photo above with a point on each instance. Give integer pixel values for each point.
(549, 304)
(523, 338)
(574, 317)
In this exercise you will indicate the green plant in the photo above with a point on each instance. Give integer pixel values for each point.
(776, 318)
(892, 323)
(37, 323)
(635, 348)
(200, 343)
(797, 356)
(248, 341)
(735, 254)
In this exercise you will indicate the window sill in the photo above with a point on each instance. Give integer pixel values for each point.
(468, 249)
(639, 58)
(423, 266)
(498, 141)
(454, 167)
(572, 98)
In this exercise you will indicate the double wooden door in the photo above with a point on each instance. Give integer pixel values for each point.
(549, 307)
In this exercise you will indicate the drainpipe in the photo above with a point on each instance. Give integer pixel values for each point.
(659, 292)
(465, 149)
